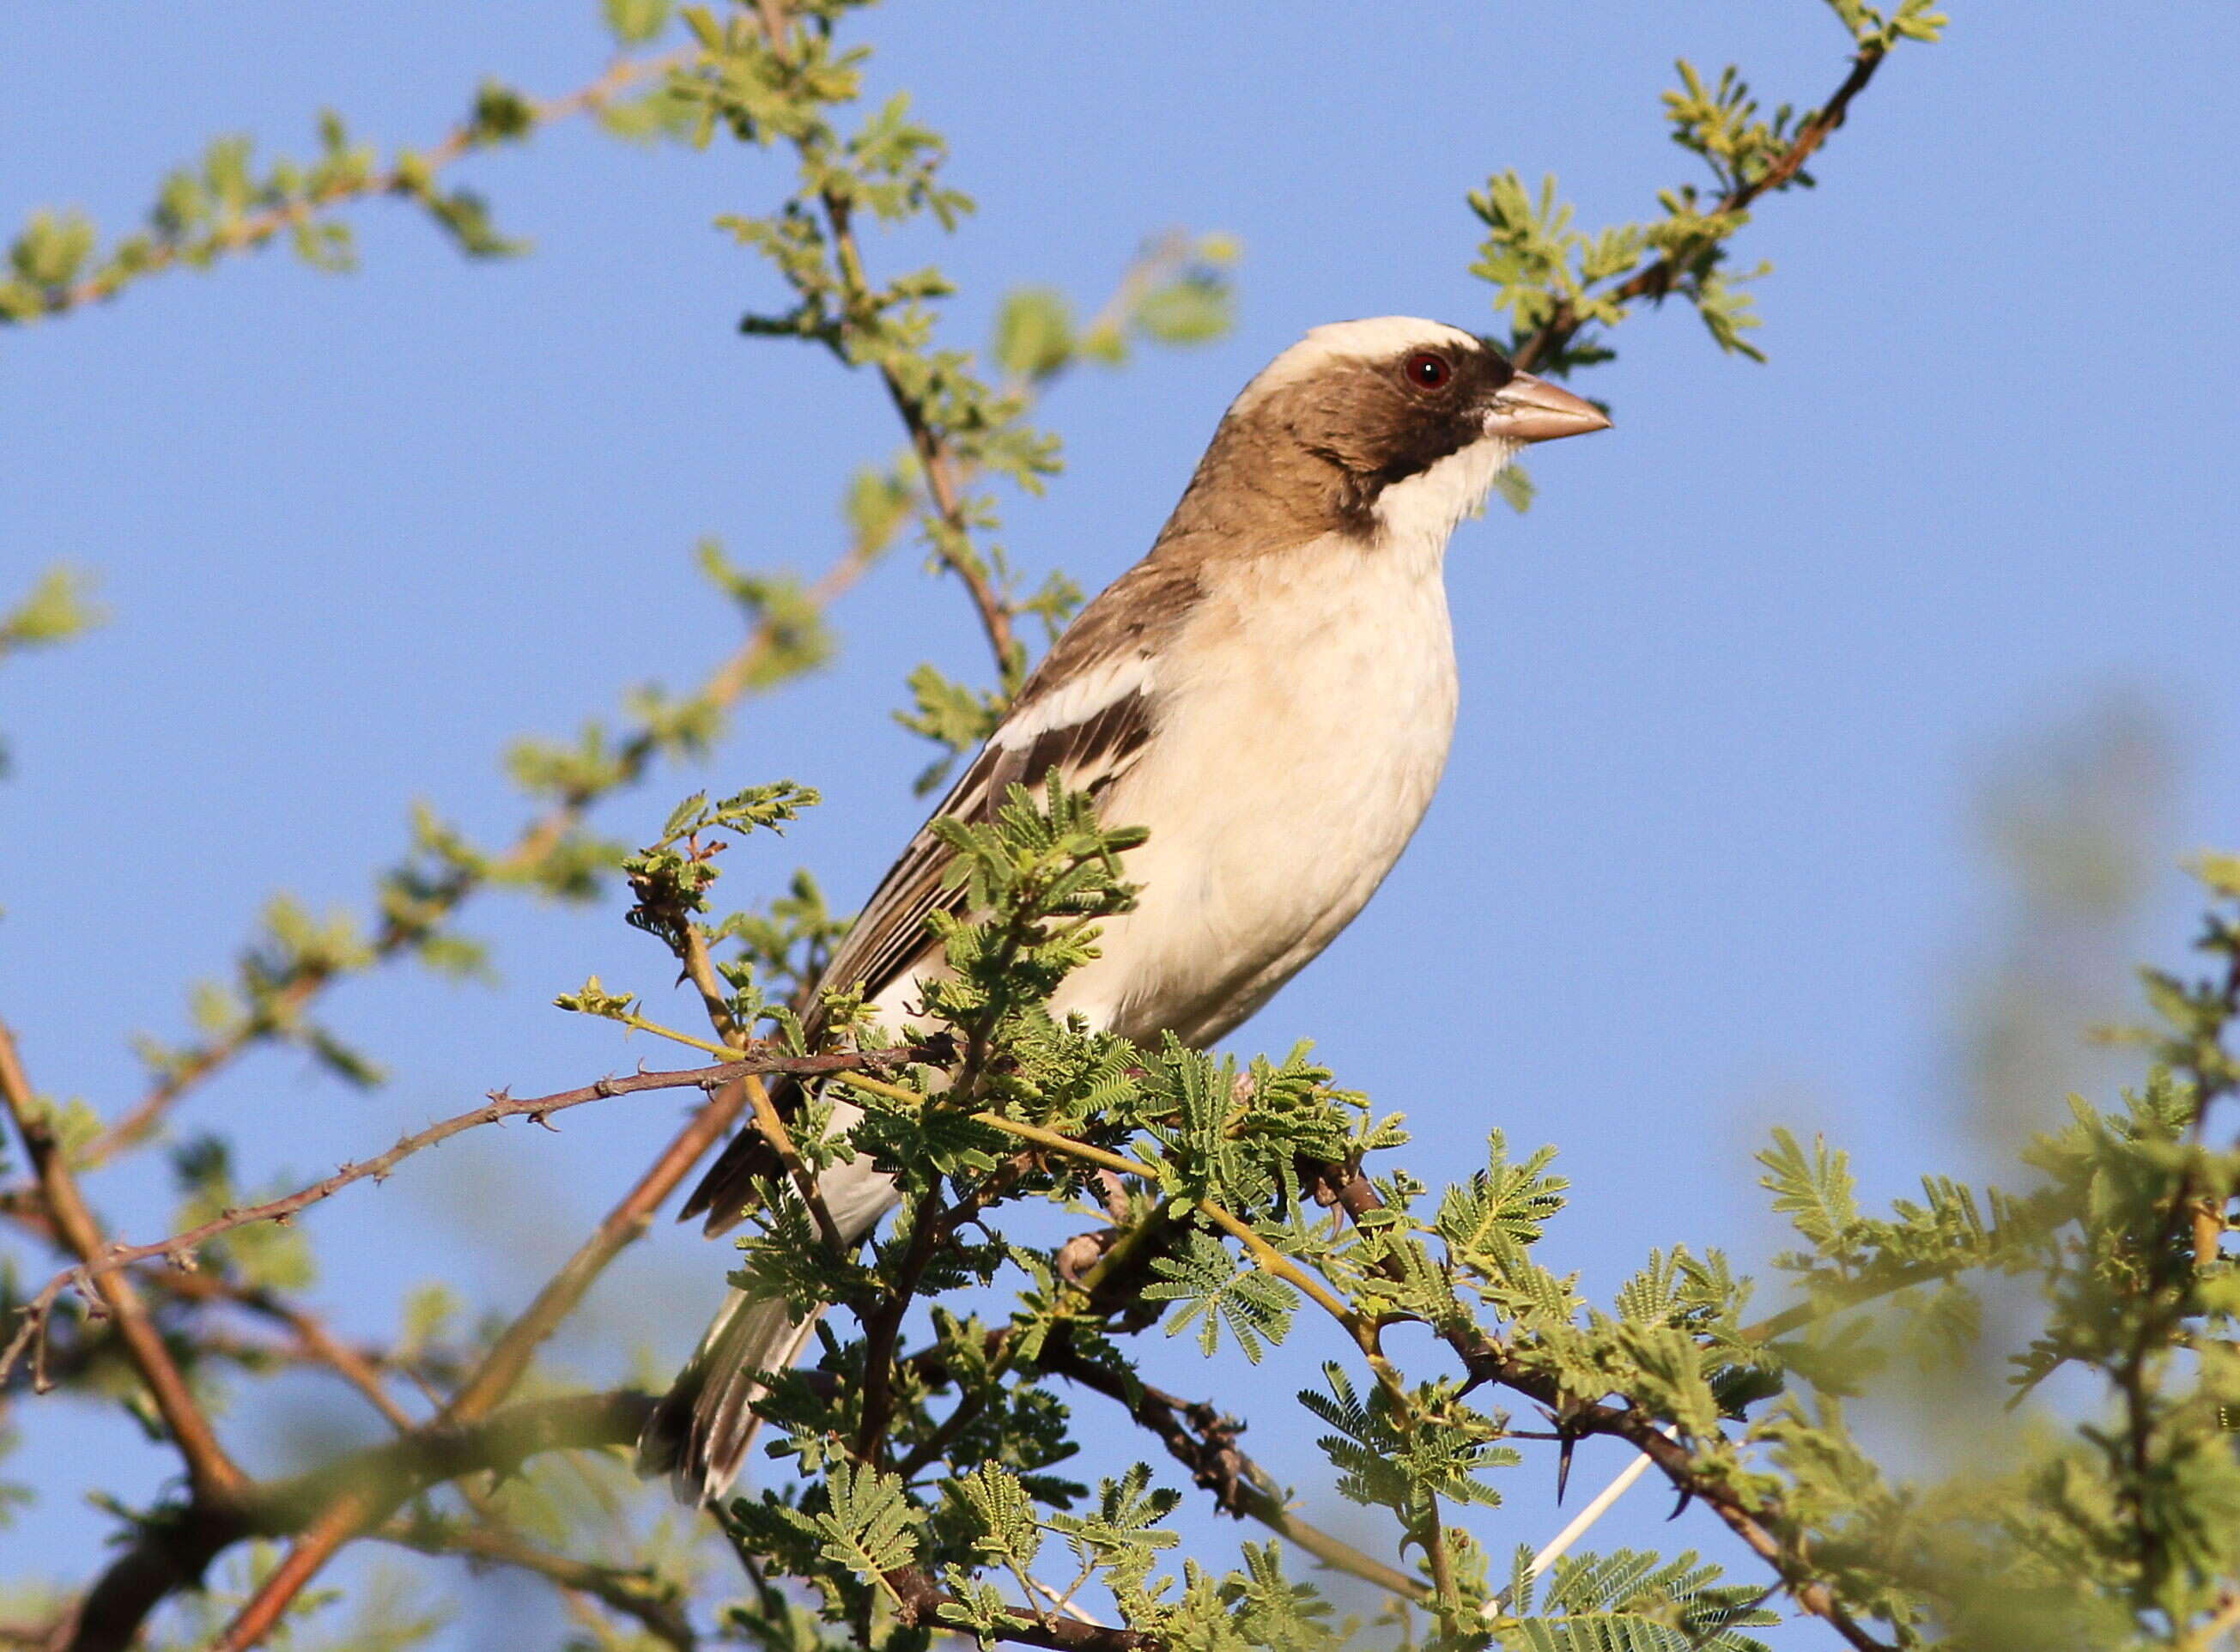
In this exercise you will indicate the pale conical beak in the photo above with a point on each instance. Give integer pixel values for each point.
(1532, 409)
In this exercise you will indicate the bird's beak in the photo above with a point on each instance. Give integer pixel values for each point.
(1532, 409)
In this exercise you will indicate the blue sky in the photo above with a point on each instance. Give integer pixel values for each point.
(1703, 857)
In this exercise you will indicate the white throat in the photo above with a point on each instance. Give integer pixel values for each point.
(1424, 508)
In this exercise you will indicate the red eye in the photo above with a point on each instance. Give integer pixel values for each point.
(1427, 370)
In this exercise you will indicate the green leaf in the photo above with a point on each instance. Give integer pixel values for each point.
(595, 1000)
(1123, 1538)
(1195, 308)
(1033, 333)
(1404, 1458)
(58, 608)
(2220, 872)
(1211, 1287)
(633, 22)
(1817, 1193)
(953, 715)
(869, 1526)
(1635, 1601)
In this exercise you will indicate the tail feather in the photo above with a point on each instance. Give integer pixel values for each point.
(700, 1433)
(698, 1436)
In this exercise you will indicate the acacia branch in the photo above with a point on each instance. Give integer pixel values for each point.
(635, 1592)
(2168, 1284)
(298, 982)
(100, 1262)
(1657, 279)
(691, 950)
(172, 1548)
(209, 1470)
(941, 481)
(364, 1367)
(1202, 1438)
(920, 1599)
(1197, 1435)
(402, 929)
(309, 1344)
(350, 1503)
(352, 1512)
(1488, 1359)
(316, 1345)
(931, 1222)
(1265, 1256)
(323, 1347)
(411, 177)
(943, 469)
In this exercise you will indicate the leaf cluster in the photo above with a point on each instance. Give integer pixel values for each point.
(1564, 289)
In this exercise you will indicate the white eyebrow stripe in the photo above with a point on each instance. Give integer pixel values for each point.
(1376, 339)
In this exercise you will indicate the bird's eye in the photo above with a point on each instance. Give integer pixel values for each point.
(1427, 370)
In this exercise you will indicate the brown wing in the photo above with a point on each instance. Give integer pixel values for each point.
(1112, 643)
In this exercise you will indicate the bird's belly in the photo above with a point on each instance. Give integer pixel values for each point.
(1277, 801)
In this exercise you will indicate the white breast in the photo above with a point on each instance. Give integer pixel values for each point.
(1306, 716)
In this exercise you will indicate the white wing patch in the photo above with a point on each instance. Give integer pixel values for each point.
(1077, 702)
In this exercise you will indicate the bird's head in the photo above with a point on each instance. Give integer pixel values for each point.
(1393, 426)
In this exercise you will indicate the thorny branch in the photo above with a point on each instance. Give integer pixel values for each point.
(509, 1360)
(101, 1260)
(174, 1546)
(209, 1470)
(1655, 280)
(410, 177)
(634, 1592)
(350, 1514)
(922, 1599)
(362, 1367)
(1203, 1439)
(350, 1497)
(945, 477)
(302, 980)
(401, 930)
(691, 948)
(2170, 1271)
(1757, 1526)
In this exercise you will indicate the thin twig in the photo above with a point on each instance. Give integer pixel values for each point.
(1064, 1603)
(409, 176)
(324, 1347)
(506, 1362)
(209, 1470)
(1266, 1257)
(933, 457)
(170, 1550)
(399, 933)
(1203, 1440)
(633, 1591)
(1655, 279)
(178, 1250)
(1560, 1545)
(883, 1328)
(1272, 1261)
(933, 450)
(1487, 1358)
(920, 1600)
(700, 970)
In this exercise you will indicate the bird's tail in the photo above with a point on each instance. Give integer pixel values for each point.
(699, 1433)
